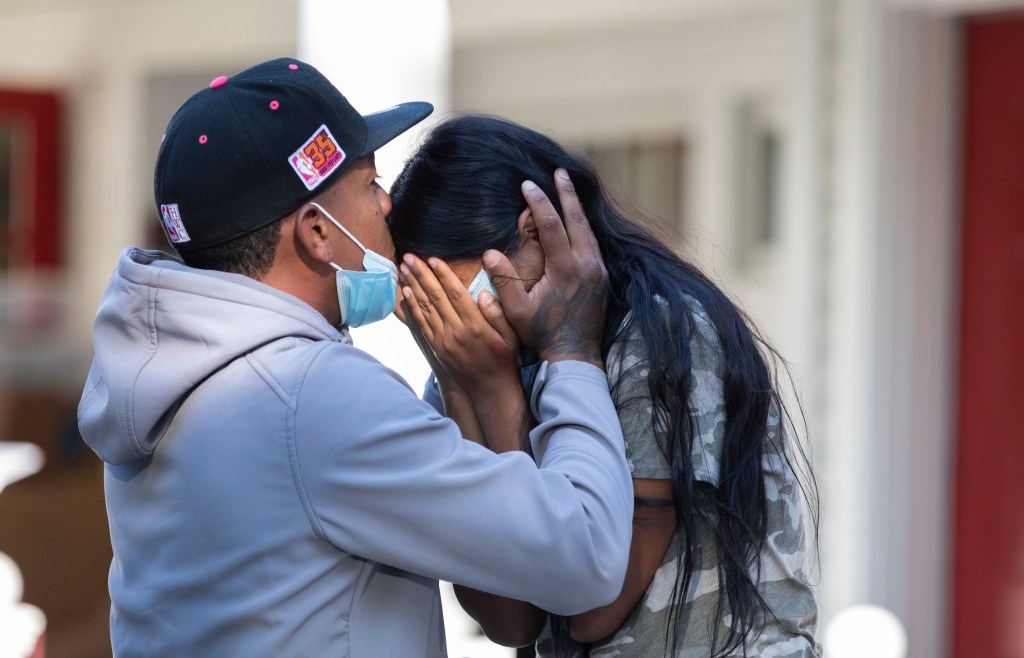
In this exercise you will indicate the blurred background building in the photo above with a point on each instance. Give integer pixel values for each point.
(851, 170)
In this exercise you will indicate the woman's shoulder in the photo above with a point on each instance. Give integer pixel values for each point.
(704, 333)
(689, 310)
(628, 347)
(628, 367)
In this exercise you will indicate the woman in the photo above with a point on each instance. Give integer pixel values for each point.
(720, 542)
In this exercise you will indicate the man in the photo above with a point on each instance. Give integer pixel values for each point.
(274, 491)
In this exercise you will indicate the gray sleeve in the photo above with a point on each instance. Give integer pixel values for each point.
(384, 476)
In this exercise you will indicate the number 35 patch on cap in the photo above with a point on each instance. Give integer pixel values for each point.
(317, 158)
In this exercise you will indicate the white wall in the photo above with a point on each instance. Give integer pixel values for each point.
(671, 75)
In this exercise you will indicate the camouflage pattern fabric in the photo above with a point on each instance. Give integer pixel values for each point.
(783, 579)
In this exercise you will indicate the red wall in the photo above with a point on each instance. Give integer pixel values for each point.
(989, 552)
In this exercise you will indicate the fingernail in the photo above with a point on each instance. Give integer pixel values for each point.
(490, 258)
(562, 173)
(529, 186)
(485, 297)
(432, 262)
(405, 269)
(407, 259)
(407, 293)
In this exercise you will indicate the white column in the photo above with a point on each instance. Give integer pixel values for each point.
(920, 228)
(380, 54)
(803, 222)
(102, 204)
(800, 330)
(855, 480)
(710, 184)
(891, 326)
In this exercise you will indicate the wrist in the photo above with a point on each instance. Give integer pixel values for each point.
(447, 385)
(493, 385)
(453, 395)
(586, 353)
(596, 362)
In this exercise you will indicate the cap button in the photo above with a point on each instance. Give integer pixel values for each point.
(219, 81)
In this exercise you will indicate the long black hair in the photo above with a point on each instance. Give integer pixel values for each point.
(460, 195)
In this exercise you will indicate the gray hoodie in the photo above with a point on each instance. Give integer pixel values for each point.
(274, 491)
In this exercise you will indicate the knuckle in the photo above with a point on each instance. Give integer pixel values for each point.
(593, 269)
(454, 294)
(434, 296)
(577, 217)
(549, 218)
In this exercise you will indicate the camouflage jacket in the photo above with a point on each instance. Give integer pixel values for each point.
(783, 579)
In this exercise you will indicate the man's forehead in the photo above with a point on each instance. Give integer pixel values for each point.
(366, 162)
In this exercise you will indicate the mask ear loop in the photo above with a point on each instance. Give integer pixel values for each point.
(338, 224)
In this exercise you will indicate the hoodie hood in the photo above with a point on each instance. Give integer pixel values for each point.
(162, 328)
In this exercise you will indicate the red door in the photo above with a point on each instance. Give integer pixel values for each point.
(989, 553)
(32, 158)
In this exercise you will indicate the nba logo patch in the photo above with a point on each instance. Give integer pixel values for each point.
(317, 158)
(176, 232)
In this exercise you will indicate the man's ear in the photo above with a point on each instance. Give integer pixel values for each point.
(311, 229)
(527, 228)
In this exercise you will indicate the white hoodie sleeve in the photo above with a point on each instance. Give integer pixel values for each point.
(383, 476)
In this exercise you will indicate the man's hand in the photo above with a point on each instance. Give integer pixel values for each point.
(562, 316)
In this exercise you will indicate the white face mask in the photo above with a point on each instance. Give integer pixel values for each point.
(481, 282)
(368, 296)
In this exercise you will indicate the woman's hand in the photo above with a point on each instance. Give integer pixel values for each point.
(457, 404)
(403, 313)
(474, 345)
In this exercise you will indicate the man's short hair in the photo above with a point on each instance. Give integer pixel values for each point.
(251, 254)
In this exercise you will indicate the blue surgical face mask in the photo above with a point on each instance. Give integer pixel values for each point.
(481, 282)
(368, 296)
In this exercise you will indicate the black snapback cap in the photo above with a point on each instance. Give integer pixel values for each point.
(255, 146)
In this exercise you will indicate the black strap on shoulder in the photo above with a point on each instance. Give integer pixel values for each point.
(652, 502)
